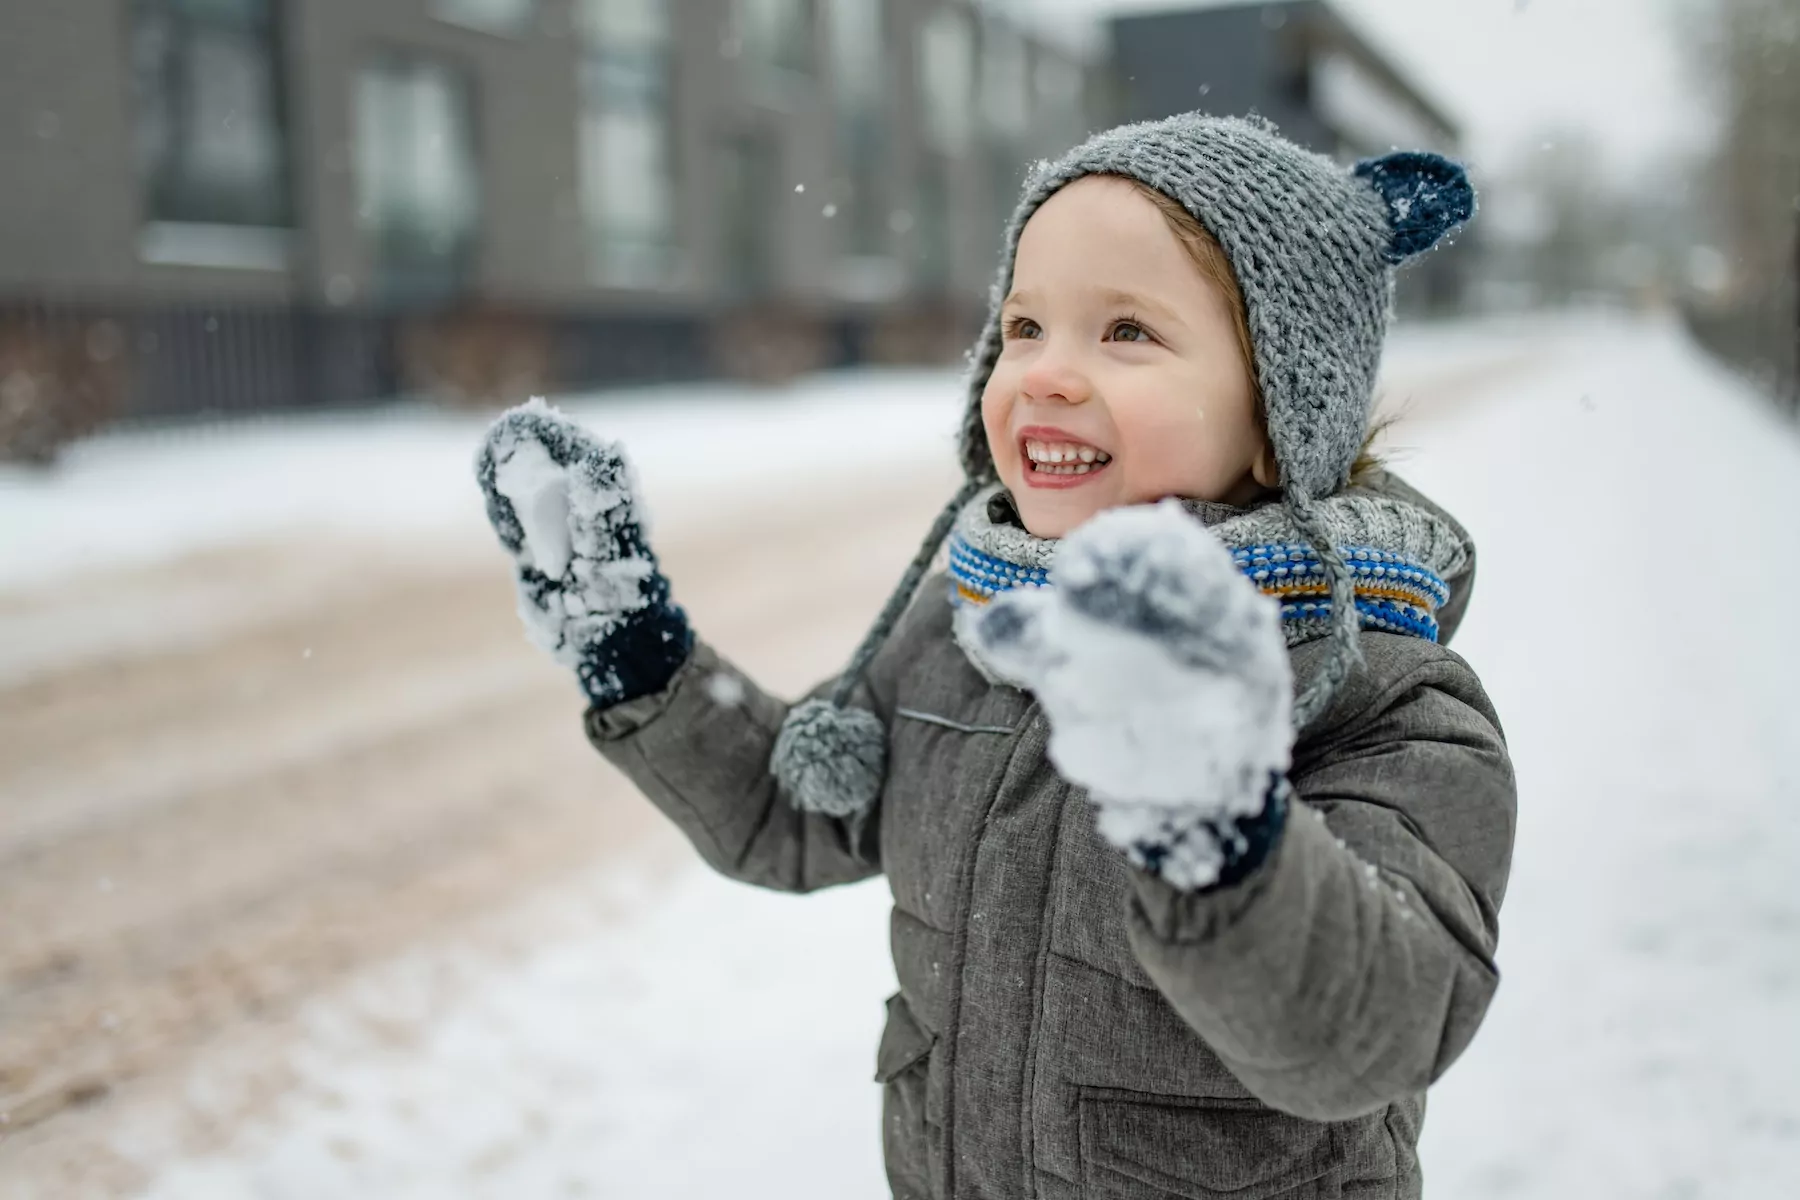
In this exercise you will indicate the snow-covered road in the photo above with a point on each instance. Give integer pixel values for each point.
(649, 1031)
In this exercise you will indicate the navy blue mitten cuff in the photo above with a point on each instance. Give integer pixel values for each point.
(1242, 843)
(638, 657)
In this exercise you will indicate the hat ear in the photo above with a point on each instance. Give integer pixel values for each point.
(1426, 195)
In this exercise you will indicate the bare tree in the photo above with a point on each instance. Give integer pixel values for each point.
(1566, 226)
(1750, 52)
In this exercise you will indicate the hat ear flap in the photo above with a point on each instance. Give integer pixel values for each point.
(1426, 195)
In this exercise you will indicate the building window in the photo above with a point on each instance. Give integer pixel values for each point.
(946, 79)
(419, 195)
(1005, 115)
(505, 17)
(1059, 87)
(932, 249)
(857, 64)
(776, 39)
(211, 134)
(627, 141)
(748, 186)
(859, 77)
(1005, 104)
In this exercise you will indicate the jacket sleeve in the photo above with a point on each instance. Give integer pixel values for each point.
(700, 748)
(1353, 966)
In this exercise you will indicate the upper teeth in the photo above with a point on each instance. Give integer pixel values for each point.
(1082, 458)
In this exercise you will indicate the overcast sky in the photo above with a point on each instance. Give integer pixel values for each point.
(1508, 68)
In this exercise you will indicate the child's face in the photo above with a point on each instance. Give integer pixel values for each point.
(1121, 359)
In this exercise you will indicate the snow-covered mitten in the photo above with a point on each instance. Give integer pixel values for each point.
(1164, 674)
(565, 506)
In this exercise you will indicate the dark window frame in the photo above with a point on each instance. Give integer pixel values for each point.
(173, 188)
(617, 79)
(405, 264)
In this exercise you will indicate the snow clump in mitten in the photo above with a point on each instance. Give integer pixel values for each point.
(1163, 671)
(564, 503)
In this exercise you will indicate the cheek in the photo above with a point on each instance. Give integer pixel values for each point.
(996, 419)
(1178, 447)
(1160, 435)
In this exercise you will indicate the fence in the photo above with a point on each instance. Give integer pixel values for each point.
(68, 369)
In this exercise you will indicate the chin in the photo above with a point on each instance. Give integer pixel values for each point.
(1054, 517)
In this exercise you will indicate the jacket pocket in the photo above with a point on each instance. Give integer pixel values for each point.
(1136, 1146)
(904, 1042)
(909, 1143)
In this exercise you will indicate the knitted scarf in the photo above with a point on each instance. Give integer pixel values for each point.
(1399, 554)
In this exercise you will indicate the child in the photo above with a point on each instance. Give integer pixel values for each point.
(1178, 593)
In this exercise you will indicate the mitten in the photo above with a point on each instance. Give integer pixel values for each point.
(565, 507)
(1164, 675)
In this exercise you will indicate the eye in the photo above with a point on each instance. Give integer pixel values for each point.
(1128, 330)
(1022, 327)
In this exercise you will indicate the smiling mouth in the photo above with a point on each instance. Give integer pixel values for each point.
(1061, 463)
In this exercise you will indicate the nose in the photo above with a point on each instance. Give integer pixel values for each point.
(1054, 377)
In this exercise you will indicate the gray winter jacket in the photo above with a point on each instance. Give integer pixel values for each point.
(1069, 1027)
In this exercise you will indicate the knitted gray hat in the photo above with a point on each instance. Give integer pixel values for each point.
(1313, 246)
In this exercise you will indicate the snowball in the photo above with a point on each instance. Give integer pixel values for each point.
(537, 489)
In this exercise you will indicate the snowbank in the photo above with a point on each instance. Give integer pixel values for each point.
(139, 496)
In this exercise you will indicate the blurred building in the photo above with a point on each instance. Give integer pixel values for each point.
(270, 204)
(1302, 65)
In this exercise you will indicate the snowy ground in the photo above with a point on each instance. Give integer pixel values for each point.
(720, 1043)
(667, 1036)
(1636, 517)
(143, 495)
